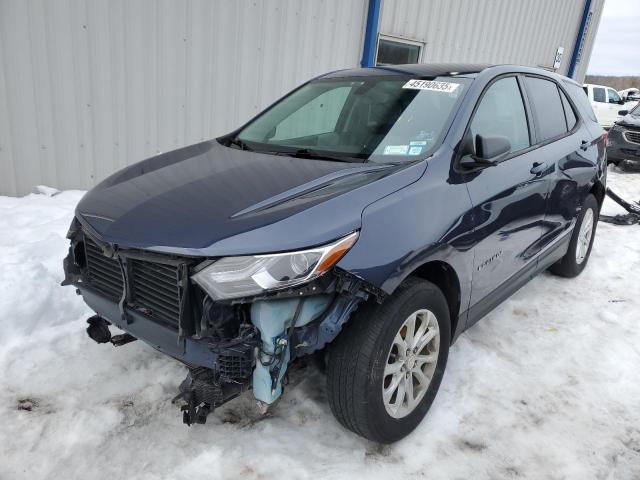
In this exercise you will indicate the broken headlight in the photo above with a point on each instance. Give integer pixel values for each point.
(234, 277)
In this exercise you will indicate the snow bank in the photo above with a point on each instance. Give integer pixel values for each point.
(546, 386)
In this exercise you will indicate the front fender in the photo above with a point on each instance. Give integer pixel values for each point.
(426, 221)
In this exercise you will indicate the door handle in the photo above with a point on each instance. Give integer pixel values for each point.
(584, 145)
(538, 168)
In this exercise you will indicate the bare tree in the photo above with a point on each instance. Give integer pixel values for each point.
(619, 83)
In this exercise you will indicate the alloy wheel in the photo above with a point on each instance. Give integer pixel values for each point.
(411, 363)
(584, 236)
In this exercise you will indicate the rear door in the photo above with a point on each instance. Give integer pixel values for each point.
(509, 198)
(562, 145)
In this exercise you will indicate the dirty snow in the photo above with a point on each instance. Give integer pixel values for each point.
(546, 386)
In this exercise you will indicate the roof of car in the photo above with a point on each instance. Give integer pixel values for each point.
(432, 70)
(415, 69)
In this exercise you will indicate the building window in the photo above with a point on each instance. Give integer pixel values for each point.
(397, 52)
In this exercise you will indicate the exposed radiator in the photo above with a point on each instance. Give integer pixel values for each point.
(103, 273)
(154, 286)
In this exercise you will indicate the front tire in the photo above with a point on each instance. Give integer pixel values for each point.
(385, 368)
(577, 256)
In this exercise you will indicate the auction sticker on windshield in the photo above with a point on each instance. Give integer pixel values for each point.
(396, 149)
(433, 85)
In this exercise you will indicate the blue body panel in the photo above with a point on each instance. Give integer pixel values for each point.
(160, 337)
(212, 200)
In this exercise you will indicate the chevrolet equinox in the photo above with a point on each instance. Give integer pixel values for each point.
(368, 218)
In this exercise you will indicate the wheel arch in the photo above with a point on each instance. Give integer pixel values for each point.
(445, 277)
(598, 190)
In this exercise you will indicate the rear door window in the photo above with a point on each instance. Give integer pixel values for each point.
(501, 112)
(599, 95)
(547, 108)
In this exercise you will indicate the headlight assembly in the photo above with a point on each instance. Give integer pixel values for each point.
(235, 277)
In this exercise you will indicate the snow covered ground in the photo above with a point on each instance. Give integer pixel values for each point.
(546, 386)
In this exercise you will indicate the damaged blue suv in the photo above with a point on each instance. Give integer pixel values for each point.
(368, 218)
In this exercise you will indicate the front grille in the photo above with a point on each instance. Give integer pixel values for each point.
(103, 273)
(156, 287)
(632, 136)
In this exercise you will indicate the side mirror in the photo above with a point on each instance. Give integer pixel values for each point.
(489, 149)
(622, 113)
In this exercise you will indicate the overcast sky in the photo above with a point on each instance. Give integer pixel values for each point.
(617, 47)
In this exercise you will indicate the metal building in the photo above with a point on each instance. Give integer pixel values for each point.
(89, 86)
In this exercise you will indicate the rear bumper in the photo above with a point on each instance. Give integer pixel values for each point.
(160, 337)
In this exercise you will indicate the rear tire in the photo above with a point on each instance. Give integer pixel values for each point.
(377, 355)
(577, 256)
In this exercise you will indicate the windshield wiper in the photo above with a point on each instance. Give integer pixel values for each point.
(312, 154)
(239, 143)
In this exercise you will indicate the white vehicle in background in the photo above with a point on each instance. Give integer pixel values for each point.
(630, 94)
(631, 97)
(606, 103)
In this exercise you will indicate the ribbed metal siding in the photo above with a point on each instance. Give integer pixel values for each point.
(87, 87)
(581, 68)
(526, 32)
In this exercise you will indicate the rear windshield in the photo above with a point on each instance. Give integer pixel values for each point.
(377, 119)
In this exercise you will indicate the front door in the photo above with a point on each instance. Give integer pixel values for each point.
(567, 152)
(509, 199)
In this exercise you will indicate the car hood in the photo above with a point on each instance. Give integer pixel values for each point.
(630, 121)
(208, 199)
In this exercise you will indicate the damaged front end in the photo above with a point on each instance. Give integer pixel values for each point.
(237, 323)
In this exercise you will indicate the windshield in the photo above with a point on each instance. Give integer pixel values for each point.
(377, 119)
(635, 110)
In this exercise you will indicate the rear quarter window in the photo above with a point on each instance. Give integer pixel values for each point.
(581, 99)
(547, 108)
(568, 112)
